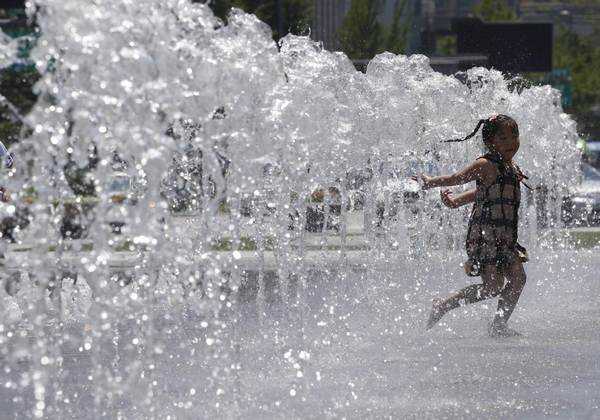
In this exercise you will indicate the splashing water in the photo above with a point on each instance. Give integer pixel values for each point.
(178, 314)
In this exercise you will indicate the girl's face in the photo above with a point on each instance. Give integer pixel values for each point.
(506, 142)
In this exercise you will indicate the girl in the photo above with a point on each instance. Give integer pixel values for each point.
(492, 247)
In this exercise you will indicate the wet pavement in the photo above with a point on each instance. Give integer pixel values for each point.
(348, 343)
(379, 362)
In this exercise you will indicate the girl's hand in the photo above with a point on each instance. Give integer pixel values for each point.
(425, 181)
(447, 200)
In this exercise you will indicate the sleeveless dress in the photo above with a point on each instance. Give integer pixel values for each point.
(493, 225)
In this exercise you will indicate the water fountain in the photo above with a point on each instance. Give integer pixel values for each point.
(218, 314)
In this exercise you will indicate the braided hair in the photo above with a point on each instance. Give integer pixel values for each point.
(490, 126)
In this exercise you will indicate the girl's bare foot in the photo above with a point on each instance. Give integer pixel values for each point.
(499, 329)
(436, 313)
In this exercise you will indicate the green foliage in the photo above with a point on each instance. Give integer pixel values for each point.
(361, 35)
(397, 34)
(495, 11)
(446, 45)
(581, 54)
(221, 7)
(16, 86)
(79, 180)
(297, 14)
(297, 17)
(246, 244)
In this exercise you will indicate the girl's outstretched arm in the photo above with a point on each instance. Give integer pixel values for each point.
(480, 169)
(460, 200)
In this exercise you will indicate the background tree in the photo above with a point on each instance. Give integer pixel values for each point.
(495, 11)
(397, 34)
(446, 45)
(297, 15)
(16, 86)
(362, 35)
(581, 54)
(16, 81)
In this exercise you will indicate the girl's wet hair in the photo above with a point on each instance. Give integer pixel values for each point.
(490, 126)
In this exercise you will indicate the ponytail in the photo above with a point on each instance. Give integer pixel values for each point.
(490, 126)
(479, 124)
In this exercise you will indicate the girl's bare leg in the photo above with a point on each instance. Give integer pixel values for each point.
(516, 279)
(491, 287)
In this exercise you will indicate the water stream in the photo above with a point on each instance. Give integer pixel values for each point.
(198, 307)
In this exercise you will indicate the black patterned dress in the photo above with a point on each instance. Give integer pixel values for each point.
(493, 225)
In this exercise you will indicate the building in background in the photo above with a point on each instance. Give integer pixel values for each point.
(437, 15)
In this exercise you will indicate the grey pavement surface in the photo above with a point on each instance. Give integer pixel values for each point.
(340, 344)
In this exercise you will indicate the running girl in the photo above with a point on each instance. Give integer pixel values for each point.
(491, 243)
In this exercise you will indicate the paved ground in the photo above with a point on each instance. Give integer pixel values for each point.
(371, 358)
(339, 344)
